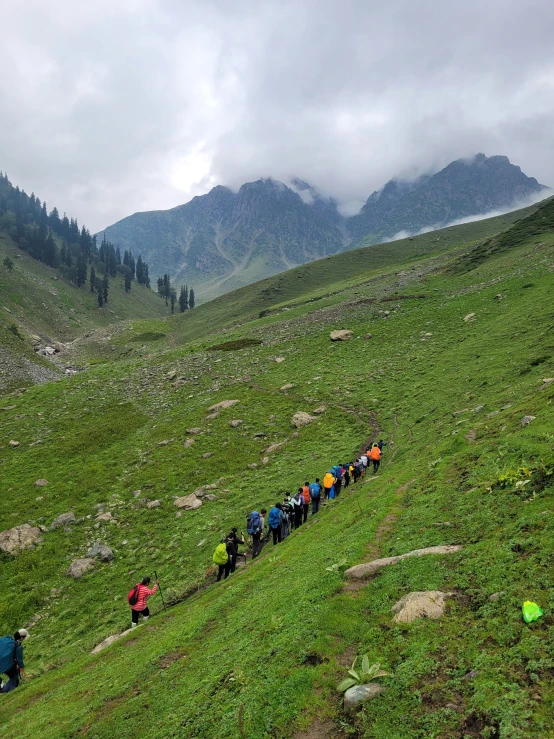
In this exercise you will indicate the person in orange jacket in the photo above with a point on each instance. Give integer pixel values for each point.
(328, 482)
(306, 498)
(375, 456)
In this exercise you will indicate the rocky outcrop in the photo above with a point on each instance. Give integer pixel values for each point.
(370, 568)
(14, 541)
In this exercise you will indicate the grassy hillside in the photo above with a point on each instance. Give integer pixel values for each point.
(260, 655)
(35, 300)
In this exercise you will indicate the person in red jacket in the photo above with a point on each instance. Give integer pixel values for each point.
(375, 456)
(306, 498)
(140, 608)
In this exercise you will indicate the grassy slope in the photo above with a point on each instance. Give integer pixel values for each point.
(37, 301)
(272, 639)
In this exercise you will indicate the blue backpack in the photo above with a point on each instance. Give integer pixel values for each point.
(315, 490)
(253, 523)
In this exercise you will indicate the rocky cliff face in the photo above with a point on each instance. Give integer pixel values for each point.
(222, 240)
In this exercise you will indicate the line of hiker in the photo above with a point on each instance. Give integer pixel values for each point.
(294, 510)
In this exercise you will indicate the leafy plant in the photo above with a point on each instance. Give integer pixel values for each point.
(335, 567)
(365, 674)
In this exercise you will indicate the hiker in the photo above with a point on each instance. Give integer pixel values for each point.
(222, 558)
(381, 444)
(356, 471)
(375, 456)
(363, 460)
(347, 469)
(298, 502)
(275, 520)
(315, 495)
(338, 478)
(328, 482)
(140, 595)
(11, 659)
(233, 538)
(306, 500)
(287, 515)
(255, 527)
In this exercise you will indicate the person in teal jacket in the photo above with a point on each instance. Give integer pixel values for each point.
(11, 659)
(274, 520)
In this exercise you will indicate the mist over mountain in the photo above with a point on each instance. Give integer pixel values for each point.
(225, 239)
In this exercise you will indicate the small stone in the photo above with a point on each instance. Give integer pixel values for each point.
(253, 466)
(279, 359)
(154, 504)
(188, 502)
(275, 447)
(212, 416)
(320, 410)
(188, 443)
(235, 422)
(207, 455)
(165, 442)
(104, 517)
(63, 520)
(302, 419)
(355, 696)
(172, 374)
(469, 316)
(286, 387)
(79, 567)
(13, 443)
(265, 460)
(41, 483)
(546, 382)
(110, 640)
(201, 543)
(368, 336)
(495, 596)
(194, 431)
(222, 405)
(429, 604)
(211, 497)
(478, 408)
(526, 420)
(104, 553)
(137, 493)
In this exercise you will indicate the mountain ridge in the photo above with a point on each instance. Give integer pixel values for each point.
(225, 239)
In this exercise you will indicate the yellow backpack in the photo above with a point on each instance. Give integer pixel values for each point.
(220, 555)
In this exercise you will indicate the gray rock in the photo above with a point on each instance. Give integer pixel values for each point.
(188, 443)
(102, 552)
(341, 335)
(302, 419)
(495, 596)
(13, 444)
(154, 504)
(320, 410)
(104, 517)
(279, 359)
(188, 502)
(207, 455)
(41, 483)
(469, 317)
(235, 422)
(194, 431)
(359, 694)
(223, 405)
(109, 640)
(369, 568)
(79, 567)
(62, 520)
(211, 497)
(286, 387)
(19, 538)
(275, 447)
(526, 420)
(423, 604)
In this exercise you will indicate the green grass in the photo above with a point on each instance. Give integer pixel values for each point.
(265, 650)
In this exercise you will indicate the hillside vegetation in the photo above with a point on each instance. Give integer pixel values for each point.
(451, 349)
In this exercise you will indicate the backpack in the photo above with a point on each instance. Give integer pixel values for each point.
(133, 596)
(315, 490)
(253, 523)
(220, 555)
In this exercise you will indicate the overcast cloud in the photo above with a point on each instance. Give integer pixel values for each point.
(115, 106)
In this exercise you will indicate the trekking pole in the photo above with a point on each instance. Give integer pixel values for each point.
(160, 587)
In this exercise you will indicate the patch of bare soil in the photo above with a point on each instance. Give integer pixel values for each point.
(320, 730)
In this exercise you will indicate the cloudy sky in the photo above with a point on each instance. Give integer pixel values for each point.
(114, 106)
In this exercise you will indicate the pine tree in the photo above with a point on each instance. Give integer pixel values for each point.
(128, 280)
(92, 278)
(81, 270)
(105, 288)
(8, 264)
(100, 299)
(173, 299)
(191, 299)
(183, 299)
(50, 252)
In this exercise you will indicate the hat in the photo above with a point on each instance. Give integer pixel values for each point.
(23, 632)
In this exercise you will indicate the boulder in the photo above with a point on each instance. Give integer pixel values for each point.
(79, 567)
(41, 483)
(154, 504)
(102, 552)
(302, 419)
(235, 422)
(355, 696)
(526, 420)
(62, 520)
(221, 406)
(19, 538)
(110, 640)
(341, 335)
(427, 604)
(188, 502)
(369, 568)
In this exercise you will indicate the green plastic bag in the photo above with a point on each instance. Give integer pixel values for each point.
(531, 611)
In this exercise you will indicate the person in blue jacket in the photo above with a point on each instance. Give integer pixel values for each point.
(11, 659)
(274, 520)
(315, 495)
